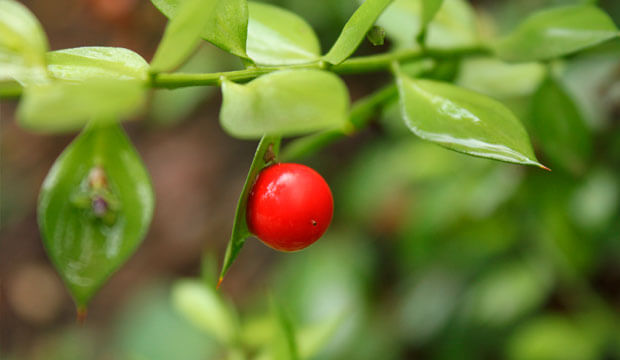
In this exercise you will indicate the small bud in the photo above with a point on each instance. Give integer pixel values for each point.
(97, 178)
(100, 206)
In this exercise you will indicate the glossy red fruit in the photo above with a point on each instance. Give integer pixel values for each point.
(290, 206)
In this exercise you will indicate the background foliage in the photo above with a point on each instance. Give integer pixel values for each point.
(432, 255)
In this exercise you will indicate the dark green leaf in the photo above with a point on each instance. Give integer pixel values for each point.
(464, 121)
(61, 106)
(182, 34)
(279, 37)
(95, 208)
(556, 32)
(85, 63)
(22, 44)
(287, 102)
(453, 25)
(270, 146)
(559, 127)
(376, 35)
(227, 26)
(355, 29)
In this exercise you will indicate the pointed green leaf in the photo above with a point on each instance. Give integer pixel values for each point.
(453, 25)
(83, 63)
(556, 32)
(95, 208)
(279, 37)
(182, 34)
(226, 28)
(22, 44)
(463, 120)
(62, 106)
(287, 102)
(559, 127)
(270, 146)
(429, 10)
(355, 29)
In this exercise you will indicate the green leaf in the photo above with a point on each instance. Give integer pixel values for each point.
(270, 146)
(559, 127)
(355, 29)
(287, 102)
(22, 44)
(464, 121)
(182, 34)
(202, 306)
(284, 342)
(226, 28)
(429, 10)
(62, 106)
(556, 32)
(85, 63)
(95, 208)
(453, 25)
(279, 37)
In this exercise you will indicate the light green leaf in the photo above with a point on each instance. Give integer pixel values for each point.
(559, 127)
(283, 342)
(498, 79)
(556, 32)
(85, 63)
(355, 29)
(287, 102)
(182, 34)
(267, 150)
(279, 37)
(22, 44)
(61, 106)
(464, 121)
(226, 28)
(202, 306)
(453, 25)
(95, 208)
(429, 10)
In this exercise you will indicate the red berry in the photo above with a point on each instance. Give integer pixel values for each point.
(290, 206)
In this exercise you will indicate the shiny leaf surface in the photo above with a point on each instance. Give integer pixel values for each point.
(287, 102)
(355, 29)
(463, 120)
(556, 32)
(227, 25)
(62, 106)
(270, 146)
(182, 34)
(95, 208)
(279, 37)
(85, 63)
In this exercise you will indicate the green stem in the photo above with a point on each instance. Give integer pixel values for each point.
(362, 111)
(362, 64)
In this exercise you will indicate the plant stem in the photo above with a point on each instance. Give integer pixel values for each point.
(362, 64)
(361, 112)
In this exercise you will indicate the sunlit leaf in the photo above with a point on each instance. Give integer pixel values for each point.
(62, 106)
(182, 34)
(83, 63)
(95, 208)
(287, 102)
(453, 25)
(203, 307)
(355, 29)
(559, 127)
(556, 32)
(270, 146)
(279, 37)
(22, 44)
(226, 26)
(463, 120)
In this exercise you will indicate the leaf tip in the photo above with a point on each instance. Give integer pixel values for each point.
(219, 282)
(81, 315)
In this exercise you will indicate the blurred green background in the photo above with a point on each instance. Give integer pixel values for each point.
(432, 254)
